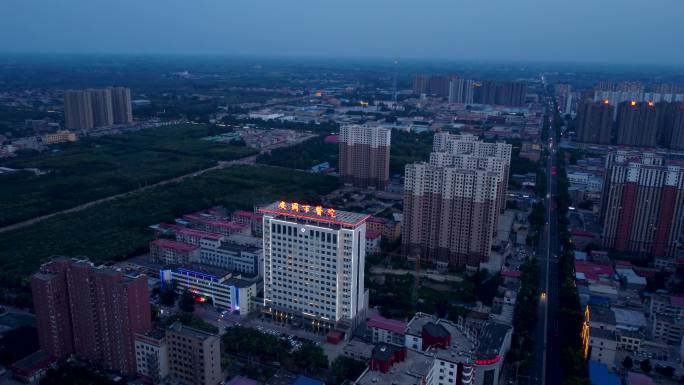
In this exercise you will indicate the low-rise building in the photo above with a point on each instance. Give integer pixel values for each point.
(59, 137)
(194, 356)
(386, 330)
(170, 252)
(218, 285)
(372, 242)
(440, 352)
(602, 344)
(151, 355)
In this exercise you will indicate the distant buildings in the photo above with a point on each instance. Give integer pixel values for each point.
(594, 122)
(121, 105)
(195, 356)
(452, 204)
(314, 265)
(92, 312)
(464, 91)
(642, 204)
(86, 109)
(432, 85)
(638, 124)
(461, 91)
(365, 155)
(78, 110)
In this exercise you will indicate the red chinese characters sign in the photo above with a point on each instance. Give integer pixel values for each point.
(306, 209)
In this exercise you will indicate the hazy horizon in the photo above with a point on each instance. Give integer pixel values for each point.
(526, 31)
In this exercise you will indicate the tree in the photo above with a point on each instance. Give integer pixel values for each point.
(345, 368)
(187, 302)
(646, 366)
(310, 358)
(628, 363)
(167, 295)
(667, 371)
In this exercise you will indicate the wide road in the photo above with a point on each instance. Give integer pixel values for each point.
(546, 365)
(251, 159)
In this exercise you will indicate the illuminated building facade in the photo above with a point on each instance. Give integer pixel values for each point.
(365, 155)
(92, 312)
(643, 204)
(208, 283)
(314, 264)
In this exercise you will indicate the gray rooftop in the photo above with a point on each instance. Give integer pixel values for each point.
(408, 372)
(491, 339)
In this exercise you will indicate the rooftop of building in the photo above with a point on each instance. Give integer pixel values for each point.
(199, 233)
(315, 213)
(380, 322)
(187, 331)
(408, 372)
(602, 314)
(463, 344)
(602, 333)
(33, 362)
(593, 271)
(205, 271)
(491, 340)
(232, 246)
(156, 334)
(174, 245)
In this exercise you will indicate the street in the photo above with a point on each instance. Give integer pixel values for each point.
(545, 365)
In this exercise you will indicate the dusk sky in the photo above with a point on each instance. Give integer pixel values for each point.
(625, 31)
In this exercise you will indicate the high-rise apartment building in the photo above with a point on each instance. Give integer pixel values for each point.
(101, 102)
(468, 152)
(437, 85)
(85, 109)
(194, 355)
(676, 140)
(643, 204)
(93, 312)
(78, 110)
(452, 204)
(461, 91)
(500, 93)
(449, 214)
(365, 155)
(594, 122)
(121, 105)
(637, 124)
(314, 265)
(420, 84)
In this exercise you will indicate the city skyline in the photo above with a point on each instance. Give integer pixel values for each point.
(308, 28)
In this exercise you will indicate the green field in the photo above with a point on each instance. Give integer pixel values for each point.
(115, 229)
(94, 168)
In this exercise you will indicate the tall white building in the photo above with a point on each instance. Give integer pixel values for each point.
(314, 264)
